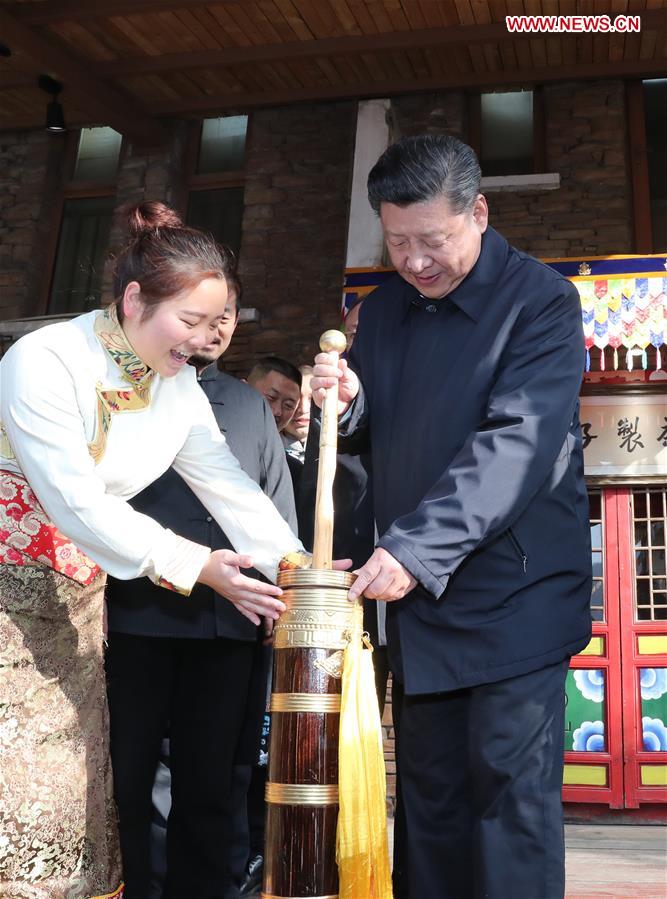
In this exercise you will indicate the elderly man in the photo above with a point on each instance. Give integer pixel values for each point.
(464, 378)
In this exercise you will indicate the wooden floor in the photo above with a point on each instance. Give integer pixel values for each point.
(616, 861)
(612, 861)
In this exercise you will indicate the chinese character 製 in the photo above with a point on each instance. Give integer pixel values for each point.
(631, 436)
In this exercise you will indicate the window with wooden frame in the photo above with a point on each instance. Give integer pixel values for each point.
(84, 214)
(506, 130)
(215, 177)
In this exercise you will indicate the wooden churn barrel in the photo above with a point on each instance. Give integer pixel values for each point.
(309, 639)
(302, 788)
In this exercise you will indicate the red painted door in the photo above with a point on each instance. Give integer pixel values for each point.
(616, 716)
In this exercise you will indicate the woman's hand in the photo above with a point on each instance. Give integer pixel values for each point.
(252, 598)
(326, 374)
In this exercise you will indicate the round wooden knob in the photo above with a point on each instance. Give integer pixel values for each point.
(333, 342)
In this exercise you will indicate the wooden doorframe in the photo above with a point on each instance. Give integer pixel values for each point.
(631, 629)
(608, 660)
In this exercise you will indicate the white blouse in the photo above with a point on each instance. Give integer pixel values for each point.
(83, 466)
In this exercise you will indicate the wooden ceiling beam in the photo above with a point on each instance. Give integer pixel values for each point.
(463, 35)
(82, 10)
(103, 103)
(10, 80)
(295, 50)
(585, 72)
(45, 13)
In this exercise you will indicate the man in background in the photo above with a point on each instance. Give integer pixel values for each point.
(279, 382)
(295, 432)
(352, 322)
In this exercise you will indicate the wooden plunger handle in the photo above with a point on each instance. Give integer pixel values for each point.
(330, 342)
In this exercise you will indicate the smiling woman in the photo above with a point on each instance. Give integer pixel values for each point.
(168, 334)
(70, 459)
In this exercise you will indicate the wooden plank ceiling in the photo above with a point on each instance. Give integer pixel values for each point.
(129, 63)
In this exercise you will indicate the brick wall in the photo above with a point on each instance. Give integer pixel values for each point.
(299, 168)
(299, 163)
(156, 174)
(30, 171)
(591, 212)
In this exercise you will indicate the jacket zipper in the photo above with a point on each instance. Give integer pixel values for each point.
(517, 546)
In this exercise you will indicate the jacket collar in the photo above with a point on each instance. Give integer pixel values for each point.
(210, 373)
(471, 296)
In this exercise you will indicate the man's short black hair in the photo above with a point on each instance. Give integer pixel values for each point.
(274, 363)
(418, 169)
(235, 288)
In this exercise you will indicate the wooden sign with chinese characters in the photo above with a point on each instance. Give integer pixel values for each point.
(625, 437)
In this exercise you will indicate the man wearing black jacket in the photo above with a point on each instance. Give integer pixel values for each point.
(464, 381)
(192, 664)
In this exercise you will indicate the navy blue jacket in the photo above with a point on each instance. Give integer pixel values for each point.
(470, 406)
(139, 606)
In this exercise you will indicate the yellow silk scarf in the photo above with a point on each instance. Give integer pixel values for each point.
(362, 850)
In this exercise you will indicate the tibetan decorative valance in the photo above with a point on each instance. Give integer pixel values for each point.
(623, 304)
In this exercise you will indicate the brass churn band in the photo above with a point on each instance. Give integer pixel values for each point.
(316, 619)
(301, 577)
(326, 598)
(300, 637)
(301, 794)
(305, 702)
(273, 896)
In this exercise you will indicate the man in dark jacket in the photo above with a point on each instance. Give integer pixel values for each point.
(191, 664)
(464, 379)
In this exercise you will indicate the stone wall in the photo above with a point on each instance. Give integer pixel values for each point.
(30, 172)
(299, 168)
(156, 174)
(591, 213)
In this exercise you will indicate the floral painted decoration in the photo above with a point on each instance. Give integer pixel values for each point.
(653, 682)
(138, 375)
(654, 734)
(589, 737)
(28, 537)
(590, 683)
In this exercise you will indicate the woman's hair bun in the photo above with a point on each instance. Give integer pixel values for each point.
(149, 216)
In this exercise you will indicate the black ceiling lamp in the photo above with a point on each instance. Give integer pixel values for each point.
(55, 117)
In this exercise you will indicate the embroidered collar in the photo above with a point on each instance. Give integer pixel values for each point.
(112, 337)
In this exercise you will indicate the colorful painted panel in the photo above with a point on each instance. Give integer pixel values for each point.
(653, 687)
(626, 314)
(623, 301)
(585, 710)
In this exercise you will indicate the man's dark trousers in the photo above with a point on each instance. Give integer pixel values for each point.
(486, 822)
